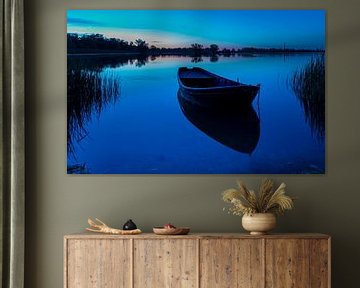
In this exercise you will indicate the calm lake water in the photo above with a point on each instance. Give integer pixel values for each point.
(125, 117)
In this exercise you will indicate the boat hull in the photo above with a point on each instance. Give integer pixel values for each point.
(221, 96)
(206, 88)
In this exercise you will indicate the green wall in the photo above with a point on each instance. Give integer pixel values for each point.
(58, 204)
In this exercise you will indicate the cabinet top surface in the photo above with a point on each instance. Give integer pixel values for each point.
(86, 235)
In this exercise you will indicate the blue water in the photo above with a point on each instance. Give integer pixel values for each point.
(142, 129)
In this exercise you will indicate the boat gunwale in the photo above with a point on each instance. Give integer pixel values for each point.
(239, 85)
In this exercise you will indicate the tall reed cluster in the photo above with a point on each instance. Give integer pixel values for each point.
(308, 84)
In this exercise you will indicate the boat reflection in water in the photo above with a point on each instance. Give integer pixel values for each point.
(235, 127)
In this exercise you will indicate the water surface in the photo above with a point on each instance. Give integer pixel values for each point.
(125, 117)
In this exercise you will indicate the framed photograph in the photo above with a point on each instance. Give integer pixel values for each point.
(195, 91)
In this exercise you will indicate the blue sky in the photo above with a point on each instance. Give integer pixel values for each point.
(227, 28)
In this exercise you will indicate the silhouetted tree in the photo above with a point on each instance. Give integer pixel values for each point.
(214, 49)
(141, 45)
(226, 52)
(197, 48)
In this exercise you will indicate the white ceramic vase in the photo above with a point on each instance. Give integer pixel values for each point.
(259, 223)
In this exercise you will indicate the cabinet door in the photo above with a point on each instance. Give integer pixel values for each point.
(320, 263)
(165, 263)
(98, 263)
(231, 263)
(287, 263)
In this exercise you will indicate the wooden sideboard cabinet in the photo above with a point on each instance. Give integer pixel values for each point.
(197, 260)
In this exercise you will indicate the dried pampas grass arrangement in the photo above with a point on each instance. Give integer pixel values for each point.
(268, 200)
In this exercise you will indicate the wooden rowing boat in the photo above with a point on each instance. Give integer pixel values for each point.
(204, 87)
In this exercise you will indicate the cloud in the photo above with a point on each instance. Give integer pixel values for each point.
(80, 21)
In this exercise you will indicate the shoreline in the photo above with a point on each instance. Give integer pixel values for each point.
(187, 55)
(106, 53)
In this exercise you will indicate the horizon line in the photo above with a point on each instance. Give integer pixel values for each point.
(208, 45)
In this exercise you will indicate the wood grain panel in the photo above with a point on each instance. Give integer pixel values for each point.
(98, 264)
(231, 263)
(287, 263)
(166, 263)
(319, 263)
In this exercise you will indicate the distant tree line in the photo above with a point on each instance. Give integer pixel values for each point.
(78, 43)
(98, 43)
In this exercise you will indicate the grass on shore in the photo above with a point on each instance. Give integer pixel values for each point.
(308, 85)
